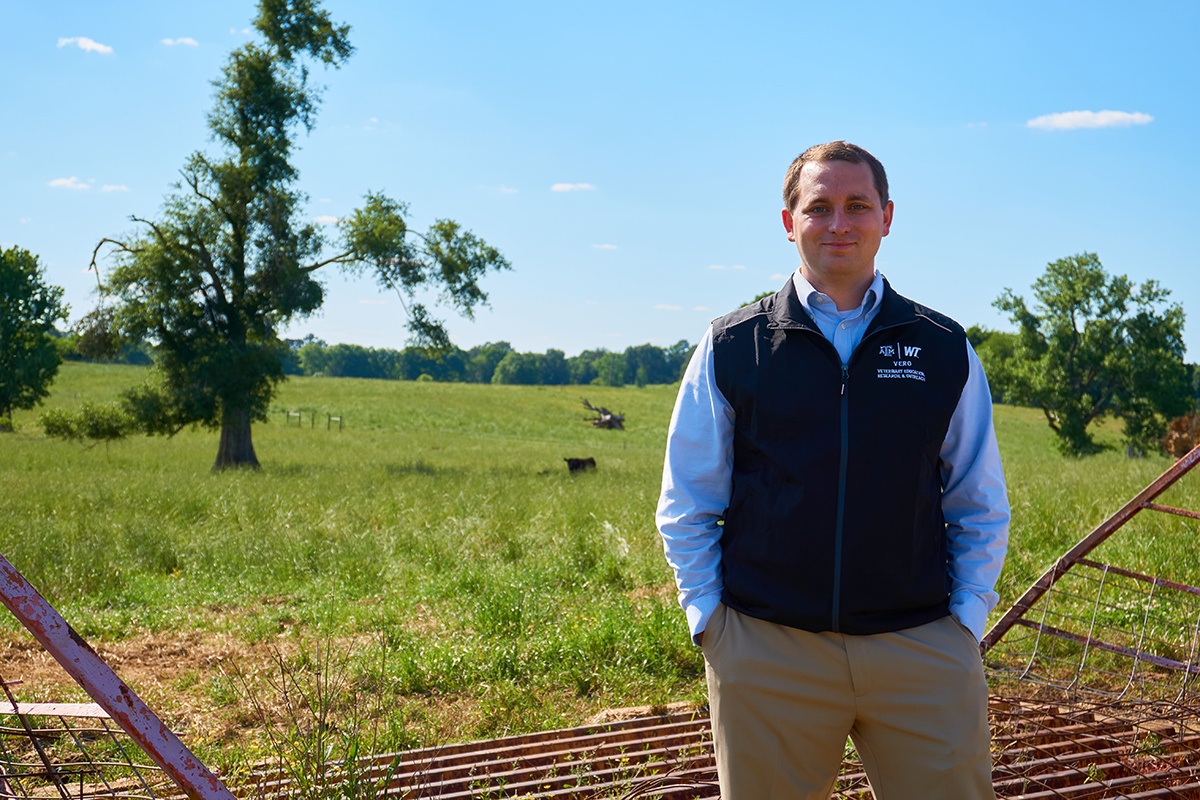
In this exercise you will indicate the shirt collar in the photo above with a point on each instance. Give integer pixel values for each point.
(814, 301)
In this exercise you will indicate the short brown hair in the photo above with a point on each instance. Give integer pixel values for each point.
(833, 151)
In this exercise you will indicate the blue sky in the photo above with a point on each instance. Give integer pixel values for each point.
(627, 157)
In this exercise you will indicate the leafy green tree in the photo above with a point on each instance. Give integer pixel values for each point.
(554, 369)
(646, 364)
(482, 359)
(997, 353)
(29, 356)
(610, 370)
(430, 363)
(518, 368)
(1092, 345)
(582, 368)
(231, 261)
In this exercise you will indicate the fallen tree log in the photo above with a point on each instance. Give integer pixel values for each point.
(605, 418)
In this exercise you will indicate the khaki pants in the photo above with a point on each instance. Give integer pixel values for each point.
(783, 702)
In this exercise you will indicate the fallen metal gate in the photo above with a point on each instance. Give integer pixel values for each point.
(118, 701)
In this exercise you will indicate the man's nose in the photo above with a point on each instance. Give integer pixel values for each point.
(839, 221)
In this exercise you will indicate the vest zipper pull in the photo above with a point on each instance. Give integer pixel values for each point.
(845, 378)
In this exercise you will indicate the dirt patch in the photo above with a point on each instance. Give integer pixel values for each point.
(185, 677)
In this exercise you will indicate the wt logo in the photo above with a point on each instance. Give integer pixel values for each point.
(901, 355)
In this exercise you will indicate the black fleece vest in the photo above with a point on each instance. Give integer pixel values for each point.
(835, 520)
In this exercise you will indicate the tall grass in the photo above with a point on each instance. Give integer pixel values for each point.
(481, 588)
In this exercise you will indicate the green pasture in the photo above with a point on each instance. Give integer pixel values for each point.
(468, 585)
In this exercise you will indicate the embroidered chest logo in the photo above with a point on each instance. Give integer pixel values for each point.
(900, 362)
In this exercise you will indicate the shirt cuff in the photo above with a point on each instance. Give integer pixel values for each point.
(699, 612)
(971, 612)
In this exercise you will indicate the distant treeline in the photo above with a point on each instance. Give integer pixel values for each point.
(494, 362)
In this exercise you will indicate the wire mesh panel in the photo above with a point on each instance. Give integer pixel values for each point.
(72, 750)
(1107, 631)
(1086, 627)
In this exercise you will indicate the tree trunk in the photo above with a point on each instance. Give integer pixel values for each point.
(236, 448)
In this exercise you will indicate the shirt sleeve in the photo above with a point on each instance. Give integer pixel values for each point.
(974, 503)
(696, 485)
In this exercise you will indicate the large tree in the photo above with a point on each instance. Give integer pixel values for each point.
(29, 308)
(1095, 345)
(230, 260)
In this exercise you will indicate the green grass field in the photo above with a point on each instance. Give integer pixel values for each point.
(435, 555)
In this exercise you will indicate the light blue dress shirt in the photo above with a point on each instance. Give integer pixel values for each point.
(698, 469)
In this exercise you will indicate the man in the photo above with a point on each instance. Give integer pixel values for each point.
(834, 509)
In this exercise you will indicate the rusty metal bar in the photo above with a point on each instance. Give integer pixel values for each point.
(1158, 661)
(1137, 576)
(1105, 529)
(1179, 512)
(80, 710)
(110, 692)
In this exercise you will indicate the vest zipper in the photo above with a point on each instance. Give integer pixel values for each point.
(842, 472)
(841, 501)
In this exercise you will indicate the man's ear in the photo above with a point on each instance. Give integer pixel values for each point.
(887, 218)
(789, 225)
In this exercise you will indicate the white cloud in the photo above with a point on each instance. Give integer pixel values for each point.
(84, 43)
(508, 189)
(572, 187)
(326, 219)
(1071, 120)
(185, 41)
(114, 187)
(68, 183)
(699, 308)
(665, 307)
(738, 267)
(242, 31)
(604, 246)
(25, 220)
(779, 276)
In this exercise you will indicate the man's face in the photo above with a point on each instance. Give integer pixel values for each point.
(838, 222)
